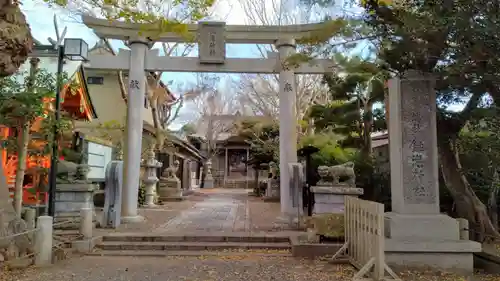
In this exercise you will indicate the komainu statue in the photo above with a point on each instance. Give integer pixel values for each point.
(66, 171)
(330, 175)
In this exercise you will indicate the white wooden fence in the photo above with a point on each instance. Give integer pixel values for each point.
(365, 239)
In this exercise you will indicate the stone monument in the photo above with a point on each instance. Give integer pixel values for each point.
(418, 233)
(329, 192)
(170, 188)
(150, 179)
(273, 184)
(73, 192)
(209, 179)
(113, 195)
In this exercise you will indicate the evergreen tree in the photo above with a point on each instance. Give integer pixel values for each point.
(357, 109)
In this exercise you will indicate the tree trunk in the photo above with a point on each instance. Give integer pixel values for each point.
(156, 124)
(121, 83)
(22, 153)
(6, 208)
(467, 203)
(15, 36)
(492, 201)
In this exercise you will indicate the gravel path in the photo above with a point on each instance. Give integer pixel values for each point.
(204, 268)
(210, 268)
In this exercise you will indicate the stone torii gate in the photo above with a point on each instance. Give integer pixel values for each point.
(211, 38)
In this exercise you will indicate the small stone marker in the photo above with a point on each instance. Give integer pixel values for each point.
(113, 194)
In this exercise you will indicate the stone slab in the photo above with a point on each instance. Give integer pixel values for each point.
(75, 187)
(421, 227)
(87, 245)
(271, 199)
(208, 184)
(132, 219)
(455, 255)
(74, 195)
(330, 199)
(340, 189)
(70, 206)
(143, 253)
(191, 246)
(172, 199)
(314, 250)
(328, 203)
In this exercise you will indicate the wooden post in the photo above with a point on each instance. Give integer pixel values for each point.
(225, 165)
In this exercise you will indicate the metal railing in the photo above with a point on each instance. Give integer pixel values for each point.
(365, 240)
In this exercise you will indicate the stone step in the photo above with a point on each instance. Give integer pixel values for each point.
(133, 253)
(196, 238)
(190, 246)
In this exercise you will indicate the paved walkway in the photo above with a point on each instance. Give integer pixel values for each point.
(209, 210)
(219, 211)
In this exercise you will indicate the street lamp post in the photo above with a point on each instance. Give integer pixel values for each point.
(73, 49)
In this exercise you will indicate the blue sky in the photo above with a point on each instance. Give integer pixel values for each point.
(40, 17)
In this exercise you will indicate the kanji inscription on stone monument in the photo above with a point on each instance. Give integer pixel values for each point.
(211, 42)
(134, 84)
(288, 87)
(416, 110)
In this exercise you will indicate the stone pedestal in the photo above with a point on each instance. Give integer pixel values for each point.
(330, 199)
(70, 199)
(170, 188)
(418, 235)
(73, 193)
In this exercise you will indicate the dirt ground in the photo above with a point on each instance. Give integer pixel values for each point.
(210, 268)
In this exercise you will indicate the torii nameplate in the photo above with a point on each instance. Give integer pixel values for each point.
(211, 43)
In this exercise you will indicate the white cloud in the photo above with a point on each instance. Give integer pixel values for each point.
(40, 17)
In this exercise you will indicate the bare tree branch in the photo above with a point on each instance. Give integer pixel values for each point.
(260, 93)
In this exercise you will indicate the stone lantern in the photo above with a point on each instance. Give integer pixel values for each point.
(150, 179)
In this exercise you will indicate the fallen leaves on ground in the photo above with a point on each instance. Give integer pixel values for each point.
(216, 268)
(255, 251)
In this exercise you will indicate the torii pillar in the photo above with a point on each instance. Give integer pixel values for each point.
(287, 123)
(134, 127)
